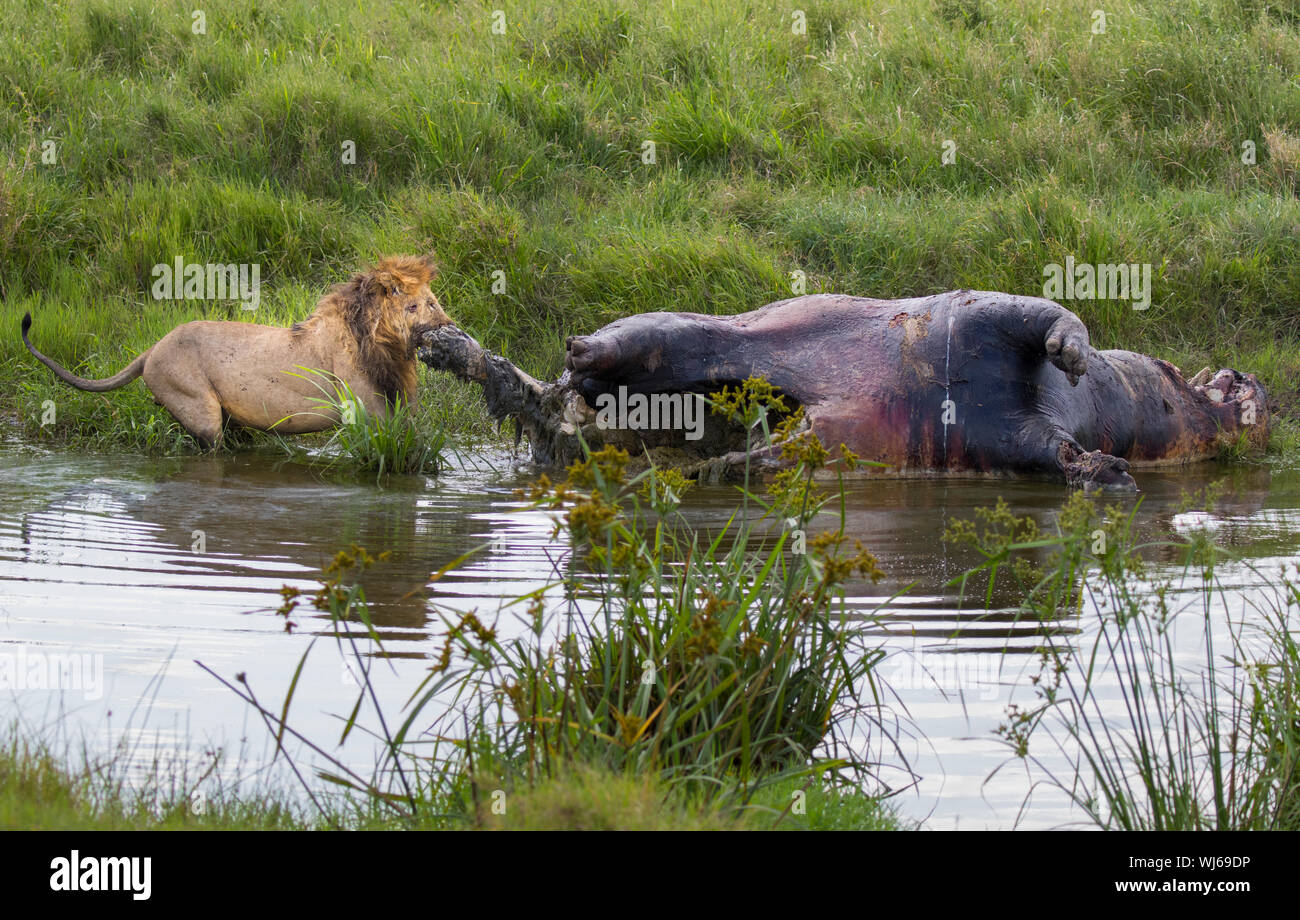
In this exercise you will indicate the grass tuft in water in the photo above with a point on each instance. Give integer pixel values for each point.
(1172, 713)
(725, 668)
(398, 442)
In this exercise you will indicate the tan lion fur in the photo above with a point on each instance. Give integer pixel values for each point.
(361, 334)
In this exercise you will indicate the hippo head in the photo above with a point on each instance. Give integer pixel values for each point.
(1240, 403)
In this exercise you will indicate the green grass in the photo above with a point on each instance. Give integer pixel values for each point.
(42, 791)
(587, 799)
(818, 807)
(46, 789)
(723, 669)
(522, 154)
(1205, 732)
(401, 442)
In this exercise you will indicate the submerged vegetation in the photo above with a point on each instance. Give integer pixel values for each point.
(880, 150)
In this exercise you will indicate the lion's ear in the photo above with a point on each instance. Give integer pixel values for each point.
(399, 273)
(380, 283)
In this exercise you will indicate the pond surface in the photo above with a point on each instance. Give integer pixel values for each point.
(139, 568)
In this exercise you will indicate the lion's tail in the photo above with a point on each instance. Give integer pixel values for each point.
(120, 379)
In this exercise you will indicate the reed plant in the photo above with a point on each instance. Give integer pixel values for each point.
(1177, 706)
(723, 665)
(400, 441)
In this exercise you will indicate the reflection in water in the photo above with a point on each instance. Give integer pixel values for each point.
(233, 530)
(153, 564)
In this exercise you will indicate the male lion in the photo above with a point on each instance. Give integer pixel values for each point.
(361, 334)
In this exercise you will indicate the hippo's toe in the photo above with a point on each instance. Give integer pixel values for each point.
(591, 354)
(1068, 349)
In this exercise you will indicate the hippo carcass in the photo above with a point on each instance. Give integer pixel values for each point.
(966, 382)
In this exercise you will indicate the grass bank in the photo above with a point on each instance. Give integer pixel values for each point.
(879, 149)
(40, 790)
(48, 788)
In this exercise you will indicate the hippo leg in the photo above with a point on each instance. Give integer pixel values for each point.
(1067, 345)
(1053, 449)
(1038, 328)
(657, 353)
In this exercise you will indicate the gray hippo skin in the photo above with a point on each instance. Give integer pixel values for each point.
(966, 382)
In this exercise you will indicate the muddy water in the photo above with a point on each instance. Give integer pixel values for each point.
(136, 569)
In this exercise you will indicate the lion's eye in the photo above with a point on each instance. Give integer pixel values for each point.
(412, 308)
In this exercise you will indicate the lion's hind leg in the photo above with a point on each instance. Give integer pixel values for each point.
(193, 403)
(200, 415)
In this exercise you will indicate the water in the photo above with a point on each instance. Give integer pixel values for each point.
(139, 569)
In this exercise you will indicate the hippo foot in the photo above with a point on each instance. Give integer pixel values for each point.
(1068, 347)
(592, 354)
(1094, 471)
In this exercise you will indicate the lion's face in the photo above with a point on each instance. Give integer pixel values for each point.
(419, 311)
(385, 310)
(394, 303)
